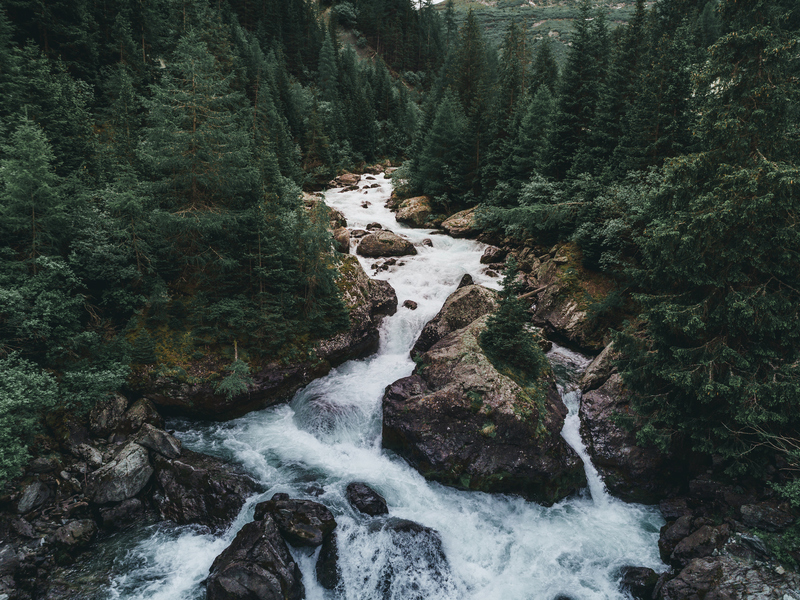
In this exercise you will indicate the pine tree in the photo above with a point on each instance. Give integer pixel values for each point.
(328, 71)
(545, 68)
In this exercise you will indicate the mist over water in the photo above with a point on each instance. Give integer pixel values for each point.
(497, 547)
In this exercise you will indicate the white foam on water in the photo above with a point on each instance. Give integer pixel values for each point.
(497, 547)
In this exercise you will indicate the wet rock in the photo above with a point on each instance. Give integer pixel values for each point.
(366, 500)
(462, 224)
(384, 243)
(345, 180)
(461, 308)
(599, 370)
(22, 528)
(639, 582)
(630, 472)
(493, 254)
(414, 211)
(301, 522)
(341, 238)
(527, 260)
(337, 219)
(123, 514)
(477, 429)
(384, 298)
(158, 441)
(358, 233)
(9, 563)
(699, 544)
(90, 454)
(75, 534)
(374, 226)
(122, 478)
(107, 415)
(410, 305)
(695, 581)
(197, 488)
(327, 567)
(766, 517)
(673, 533)
(465, 281)
(674, 508)
(427, 242)
(33, 496)
(256, 566)
(142, 411)
(43, 465)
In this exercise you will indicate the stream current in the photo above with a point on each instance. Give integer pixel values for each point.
(498, 547)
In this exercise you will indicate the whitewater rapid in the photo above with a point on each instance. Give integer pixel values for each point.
(497, 547)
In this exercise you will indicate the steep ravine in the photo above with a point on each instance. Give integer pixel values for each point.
(496, 547)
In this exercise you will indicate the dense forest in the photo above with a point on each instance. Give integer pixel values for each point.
(153, 156)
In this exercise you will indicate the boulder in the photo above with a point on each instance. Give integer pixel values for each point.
(122, 514)
(327, 567)
(345, 180)
(274, 382)
(384, 243)
(599, 370)
(75, 534)
(462, 224)
(142, 411)
(122, 478)
(374, 226)
(492, 255)
(460, 309)
(341, 238)
(630, 472)
(256, 566)
(337, 218)
(639, 582)
(414, 211)
(90, 454)
(730, 578)
(428, 242)
(766, 517)
(672, 534)
(158, 441)
(699, 544)
(43, 465)
(33, 496)
(301, 522)
(197, 488)
(366, 500)
(474, 428)
(107, 415)
(465, 281)
(410, 304)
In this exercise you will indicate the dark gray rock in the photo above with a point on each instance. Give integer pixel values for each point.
(142, 411)
(22, 528)
(327, 567)
(410, 305)
(630, 472)
(158, 441)
(465, 281)
(33, 496)
(766, 517)
(122, 478)
(700, 544)
(366, 500)
(43, 465)
(639, 582)
(122, 514)
(301, 522)
(674, 508)
(75, 534)
(197, 488)
(599, 370)
(92, 456)
(461, 308)
(256, 566)
(427, 242)
(107, 415)
(671, 534)
(383, 297)
(493, 254)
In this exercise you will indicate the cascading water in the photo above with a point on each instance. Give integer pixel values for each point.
(496, 547)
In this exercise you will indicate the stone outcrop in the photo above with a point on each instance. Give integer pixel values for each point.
(107, 415)
(461, 308)
(384, 243)
(122, 478)
(257, 564)
(631, 472)
(197, 488)
(462, 224)
(461, 422)
(366, 500)
(341, 238)
(301, 522)
(414, 211)
(367, 300)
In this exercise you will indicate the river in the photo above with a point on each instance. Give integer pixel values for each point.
(497, 547)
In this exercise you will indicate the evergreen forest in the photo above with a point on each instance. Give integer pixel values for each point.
(153, 156)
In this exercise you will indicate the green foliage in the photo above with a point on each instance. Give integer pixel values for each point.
(25, 393)
(507, 340)
(237, 379)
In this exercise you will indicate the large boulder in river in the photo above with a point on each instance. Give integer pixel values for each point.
(630, 472)
(275, 381)
(414, 211)
(122, 478)
(301, 522)
(384, 243)
(256, 566)
(461, 422)
(197, 488)
(460, 309)
(462, 224)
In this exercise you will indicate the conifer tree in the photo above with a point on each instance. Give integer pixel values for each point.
(545, 68)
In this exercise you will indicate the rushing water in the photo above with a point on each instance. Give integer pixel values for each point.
(497, 547)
